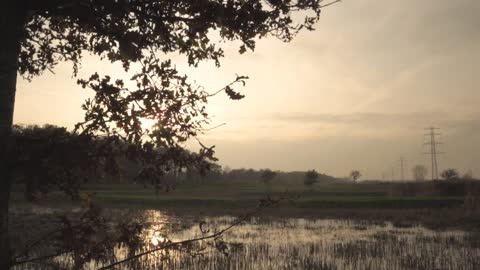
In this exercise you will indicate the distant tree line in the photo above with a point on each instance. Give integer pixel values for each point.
(53, 158)
(45, 158)
(264, 176)
(269, 176)
(420, 173)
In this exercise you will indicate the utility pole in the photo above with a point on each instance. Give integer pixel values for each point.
(402, 175)
(433, 150)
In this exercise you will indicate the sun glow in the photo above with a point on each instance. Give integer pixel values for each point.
(147, 123)
(156, 239)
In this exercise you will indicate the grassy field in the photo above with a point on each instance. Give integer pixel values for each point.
(241, 194)
(339, 200)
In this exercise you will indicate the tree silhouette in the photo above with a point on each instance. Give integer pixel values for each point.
(450, 174)
(311, 177)
(139, 34)
(50, 156)
(355, 175)
(419, 172)
(268, 175)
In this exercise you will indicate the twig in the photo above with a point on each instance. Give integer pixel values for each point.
(212, 128)
(41, 258)
(331, 3)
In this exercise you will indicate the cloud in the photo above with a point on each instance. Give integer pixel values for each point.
(374, 122)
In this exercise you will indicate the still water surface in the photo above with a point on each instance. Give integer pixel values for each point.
(296, 243)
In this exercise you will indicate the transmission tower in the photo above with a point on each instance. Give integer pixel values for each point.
(433, 150)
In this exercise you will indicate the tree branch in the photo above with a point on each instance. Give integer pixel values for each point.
(331, 3)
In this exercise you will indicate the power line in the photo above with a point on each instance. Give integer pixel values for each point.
(402, 167)
(433, 150)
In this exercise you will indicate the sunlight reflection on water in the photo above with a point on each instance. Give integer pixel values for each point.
(297, 243)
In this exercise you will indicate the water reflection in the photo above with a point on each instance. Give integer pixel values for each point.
(156, 239)
(274, 243)
(316, 244)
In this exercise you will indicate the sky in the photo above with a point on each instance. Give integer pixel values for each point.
(356, 93)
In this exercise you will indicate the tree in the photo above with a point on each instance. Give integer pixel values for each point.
(450, 174)
(311, 177)
(419, 172)
(355, 175)
(268, 175)
(49, 156)
(37, 35)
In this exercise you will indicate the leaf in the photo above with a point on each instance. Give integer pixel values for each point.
(232, 94)
(242, 49)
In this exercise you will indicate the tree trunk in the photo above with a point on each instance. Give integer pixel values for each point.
(12, 17)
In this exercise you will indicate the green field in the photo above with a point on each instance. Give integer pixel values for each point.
(242, 194)
(339, 200)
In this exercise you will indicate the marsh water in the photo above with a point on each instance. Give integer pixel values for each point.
(296, 243)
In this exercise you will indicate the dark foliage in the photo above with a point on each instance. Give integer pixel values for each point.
(51, 157)
(311, 177)
(355, 175)
(450, 174)
(268, 175)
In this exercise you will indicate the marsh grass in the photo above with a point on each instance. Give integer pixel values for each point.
(298, 243)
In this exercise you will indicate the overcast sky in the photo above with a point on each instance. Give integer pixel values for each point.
(356, 93)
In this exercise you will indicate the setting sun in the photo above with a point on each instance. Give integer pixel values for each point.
(147, 123)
